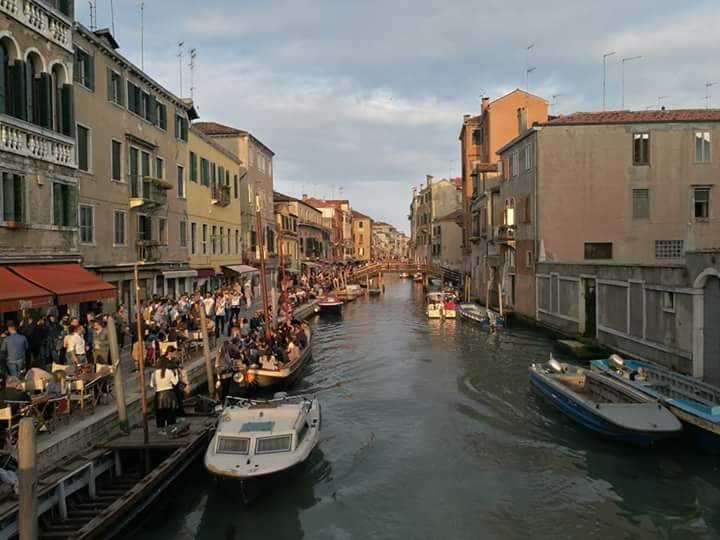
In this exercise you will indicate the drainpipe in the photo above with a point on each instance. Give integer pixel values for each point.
(536, 219)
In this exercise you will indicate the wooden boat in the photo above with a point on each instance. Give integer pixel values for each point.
(256, 440)
(418, 277)
(603, 404)
(257, 378)
(330, 304)
(354, 290)
(695, 403)
(482, 316)
(404, 275)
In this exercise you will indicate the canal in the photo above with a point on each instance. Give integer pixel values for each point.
(430, 431)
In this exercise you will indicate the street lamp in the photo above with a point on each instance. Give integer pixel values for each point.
(605, 57)
(627, 59)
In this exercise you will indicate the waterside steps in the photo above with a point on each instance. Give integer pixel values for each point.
(98, 493)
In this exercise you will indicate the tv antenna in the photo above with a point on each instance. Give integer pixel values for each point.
(193, 55)
(93, 14)
(180, 64)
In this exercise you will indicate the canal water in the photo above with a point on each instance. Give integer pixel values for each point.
(430, 431)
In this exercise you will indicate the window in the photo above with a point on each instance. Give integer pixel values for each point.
(181, 181)
(222, 241)
(213, 240)
(477, 137)
(193, 238)
(144, 228)
(237, 241)
(204, 238)
(161, 116)
(181, 128)
(361, 226)
(701, 203)
(144, 164)
(134, 99)
(83, 148)
(237, 188)
(668, 301)
(641, 203)
(84, 69)
(115, 87)
(204, 172)
(64, 205)
(182, 233)
(666, 249)
(527, 156)
(641, 148)
(160, 167)
(162, 231)
(13, 198)
(87, 224)
(514, 163)
(598, 250)
(116, 161)
(702, 146)
(221, 174)
(193, 167)
(213, 175)
(253, 240)
(529, 259)
(119, 228)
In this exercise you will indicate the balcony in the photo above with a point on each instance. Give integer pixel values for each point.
(220, 195)
(54, 26)
(505, 233)
(147, 192)
(28, 140)
(148, 250)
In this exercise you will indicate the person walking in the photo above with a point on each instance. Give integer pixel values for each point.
(76, 347)
(247, 288)
(235, 302)
(219, 315)
(164, 380)
(101, 343)
(14, 349)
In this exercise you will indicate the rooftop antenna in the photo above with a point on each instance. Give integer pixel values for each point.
(623, 62)
(93, 14)
(554, 101)
(528, 69)
(605, 57)
(142, 36)
(193, 55)
(707, 93)
(661, 99)
(180, 66)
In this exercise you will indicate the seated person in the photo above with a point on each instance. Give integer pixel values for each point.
(12, 394)
(36, 379)
(57, 386)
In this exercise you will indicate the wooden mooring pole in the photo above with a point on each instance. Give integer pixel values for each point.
(206, 351)
(27, 480)
(118, 388)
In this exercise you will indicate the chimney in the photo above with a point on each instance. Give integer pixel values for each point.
(428, 179)
(484, 103)
(522, 120)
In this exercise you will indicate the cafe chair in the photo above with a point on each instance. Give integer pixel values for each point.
(11, 426)
(83, 393)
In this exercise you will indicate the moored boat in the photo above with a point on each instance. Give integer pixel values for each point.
(434, 305)
(256, 440)
(330, 304)
(404, 275)
(482, 316)
(418, 277)
(602, 404)
(695, 403)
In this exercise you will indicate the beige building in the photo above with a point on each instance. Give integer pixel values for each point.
(429, 203)
(132, 154)
(38, 188)
(447, 241)
(286, 213)
(313, 235)
(362, 236)
(337, 217)
(387, 242)
(213, 185)
(258, 181)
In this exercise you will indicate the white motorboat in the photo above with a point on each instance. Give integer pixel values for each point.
(440, 306)
(257, 439)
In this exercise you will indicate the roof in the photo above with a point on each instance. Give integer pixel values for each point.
(325, 203)
(209, 141)
(513, 92)
(360, 215)
(215, 129)
(636, 117)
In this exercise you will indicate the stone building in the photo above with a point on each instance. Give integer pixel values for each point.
(286, 213)
(337, 216)
(362, 236)
(433, 201)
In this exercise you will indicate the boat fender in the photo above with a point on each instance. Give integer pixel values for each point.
(555, 365)
(616, 361)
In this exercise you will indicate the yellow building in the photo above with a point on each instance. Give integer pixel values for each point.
(213, 207)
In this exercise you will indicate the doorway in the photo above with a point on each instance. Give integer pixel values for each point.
(590, 290)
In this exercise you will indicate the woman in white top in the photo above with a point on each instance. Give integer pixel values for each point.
(219, 315)
(164, 380)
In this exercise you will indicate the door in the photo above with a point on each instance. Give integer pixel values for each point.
(590, 286)
(711, 338)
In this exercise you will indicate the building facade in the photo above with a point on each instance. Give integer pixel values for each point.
(38, 185)
(447, 241)
(337, 216)
(286, 213)
(618, 244)
(362, 236)
(213, 188)
(437, 199)
(132, 152)
(314, 238)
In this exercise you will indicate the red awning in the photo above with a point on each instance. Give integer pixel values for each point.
(205, 272)
(71, 283)
(17, 294)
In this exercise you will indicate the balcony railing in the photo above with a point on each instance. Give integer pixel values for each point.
(148, 250)
(54, 26)
(147, 192)
(220, 195)
(25, 139)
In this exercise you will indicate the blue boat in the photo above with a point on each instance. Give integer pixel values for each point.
(694, 402)
(604, 405)
(484, 317)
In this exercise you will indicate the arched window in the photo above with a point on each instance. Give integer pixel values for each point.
(59, 81)
(39, 93)
(4, 79)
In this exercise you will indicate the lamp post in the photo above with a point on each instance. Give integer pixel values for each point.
(605, 57)
(623, 61)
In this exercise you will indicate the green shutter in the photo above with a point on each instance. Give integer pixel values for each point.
(77, 71)
(3, 81)
(110, 95)
(17, 89)
(71, 212)
(29, 91)
(121, 91)
(57, 204)
(68, 113)
(184, 130)
(45, 100)
(152, 109)
(90, 72)
(131, 97)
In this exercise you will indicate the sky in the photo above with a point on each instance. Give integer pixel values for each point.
(361, 99)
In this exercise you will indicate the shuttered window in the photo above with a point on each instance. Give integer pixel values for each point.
(115, 87)
(87, 224)
(83, 148)
(116, 161)
(13, 199)
(84, 69)
(64, 205)
(193, 167)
